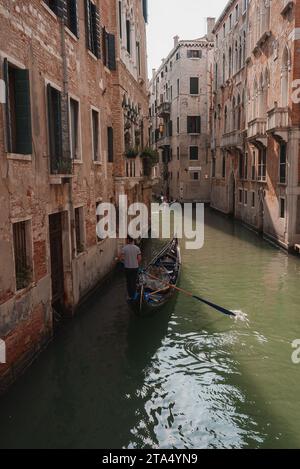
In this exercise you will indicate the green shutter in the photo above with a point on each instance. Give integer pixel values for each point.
(23, 112)
(97, 32)
(111, 52)
(88, 16)
(7, 109)
(110, 144)
(55, 127)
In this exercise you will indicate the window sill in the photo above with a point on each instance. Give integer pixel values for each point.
(107, 70)
(71, 34)
(44, 5)
(97, 163)
(19, 157)
(282, 184)
(77, 161)
(92, 55)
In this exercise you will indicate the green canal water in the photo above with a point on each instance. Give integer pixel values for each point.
(187, 377)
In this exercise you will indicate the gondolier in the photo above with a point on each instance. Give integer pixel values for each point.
(132, 258)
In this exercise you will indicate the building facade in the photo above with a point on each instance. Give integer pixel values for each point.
(75, 81)
(179, 109)
(255, 117)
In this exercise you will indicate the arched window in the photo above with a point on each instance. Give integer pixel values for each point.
(254, 114)
(230, 61)
(285, 69)
(233, 114)
(239, 113)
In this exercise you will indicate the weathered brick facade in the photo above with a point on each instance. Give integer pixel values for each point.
(54, 201)
(255, 121)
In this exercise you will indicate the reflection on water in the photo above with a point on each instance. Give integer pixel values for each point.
(186, 377)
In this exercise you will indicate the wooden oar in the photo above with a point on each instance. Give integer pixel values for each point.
(187, 293)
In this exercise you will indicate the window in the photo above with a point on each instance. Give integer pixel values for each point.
(93, 28)
(237, 12)
(79, 230)
(178, 87)
(194, 124)
(253, 167)
(145, 10)
(120, 20)
(194, 153)
(95, 135)
(230, 21)
(138, 56)
(262, 165)
(224, 167)
(177, 55)
(194, 85)
(74, 130)
(22, 254)
(71, 16)
(17, 110)
(213, 167)
(195, 175)
(194, 54)
(283, 163)
(170, 129)
(178, 153)
(240, 196)
(224, 30)
(178, 125)
(245, 197)
(110, 144)
(58, 163)
(282, 207)
(241, 166)
(253, 200)
(55, 6)
(109, 50)
(246, 166)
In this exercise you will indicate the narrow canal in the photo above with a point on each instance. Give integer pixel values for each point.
(187, 377)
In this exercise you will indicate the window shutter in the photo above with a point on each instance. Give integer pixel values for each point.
(110, 140)
(58, 8)
(145, 10)
(55, 126)
(111, 52)
(97, 32)
(23, 112)
(199, 124)
(189, 125)
(7, 108)
(88, 17)
(71, 15)
(104, 45)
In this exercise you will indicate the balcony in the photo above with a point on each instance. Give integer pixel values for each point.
(164, 110)
(232, 140)
(257, 131)
(278, 122)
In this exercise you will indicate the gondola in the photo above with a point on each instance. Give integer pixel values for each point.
(153, 291)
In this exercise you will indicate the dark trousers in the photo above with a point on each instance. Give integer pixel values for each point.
(131, 278)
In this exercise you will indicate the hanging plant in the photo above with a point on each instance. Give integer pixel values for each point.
(131, 153)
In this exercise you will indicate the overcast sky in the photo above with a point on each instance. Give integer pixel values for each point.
(167, 18)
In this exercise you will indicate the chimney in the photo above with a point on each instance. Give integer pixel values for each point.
(176, 40)
(210, 26)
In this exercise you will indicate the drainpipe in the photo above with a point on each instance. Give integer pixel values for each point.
(66, 143)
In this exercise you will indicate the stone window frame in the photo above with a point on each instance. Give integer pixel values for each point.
(80, 146)
(30, 250)
(100, 155)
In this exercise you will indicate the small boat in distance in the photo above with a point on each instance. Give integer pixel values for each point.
(153, 290)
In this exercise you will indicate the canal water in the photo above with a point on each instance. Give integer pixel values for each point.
(187, 377)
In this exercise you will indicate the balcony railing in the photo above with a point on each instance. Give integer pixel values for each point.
(232, 140)
(257, 128)
(164, 109)
(278, 119)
